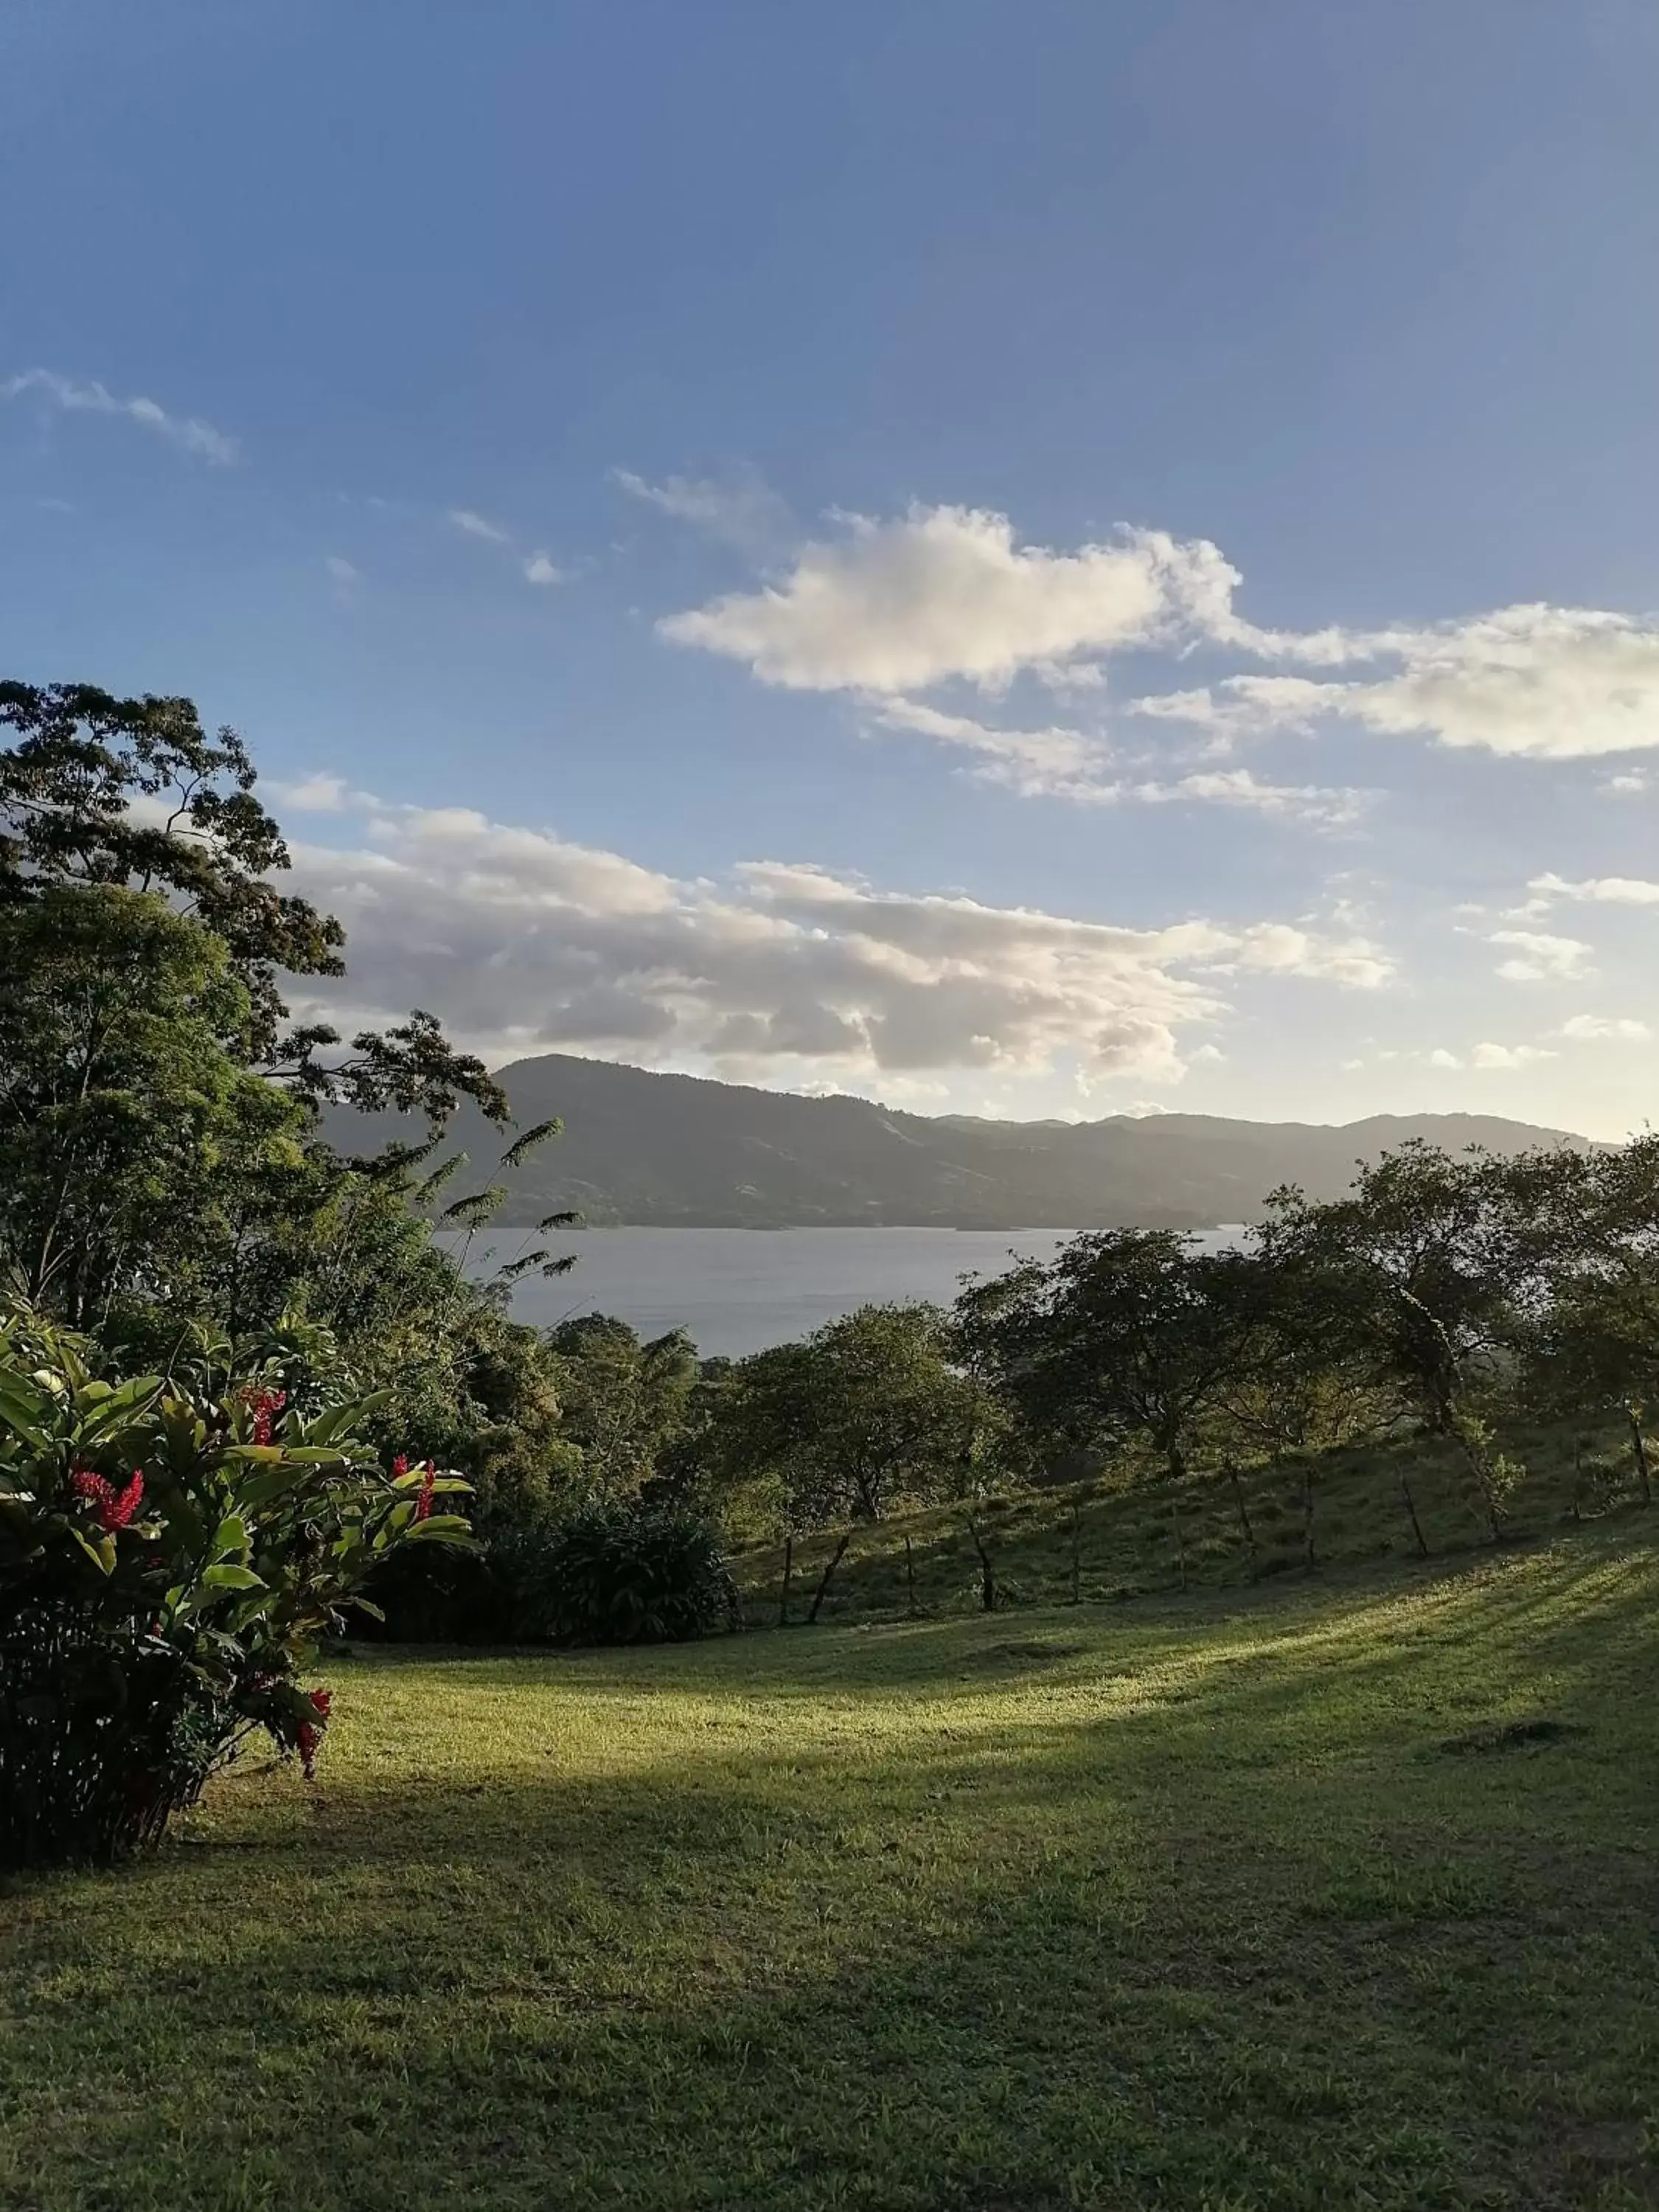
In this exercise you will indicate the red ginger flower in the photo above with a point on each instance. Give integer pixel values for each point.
(400, 1465)
(309, 1734)
(264, 1406)
(118, 1512)
(115, 1508)
(424, 1503)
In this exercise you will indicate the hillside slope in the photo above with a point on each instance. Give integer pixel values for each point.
(678, 1150)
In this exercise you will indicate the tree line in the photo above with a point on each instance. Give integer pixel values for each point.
(168, 1193)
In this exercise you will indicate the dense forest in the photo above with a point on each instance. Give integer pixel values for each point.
(239, 1364)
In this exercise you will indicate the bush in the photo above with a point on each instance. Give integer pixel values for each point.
(167, 1564)
(613, 1573)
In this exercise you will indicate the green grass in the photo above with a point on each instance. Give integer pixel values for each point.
(1294, 1898)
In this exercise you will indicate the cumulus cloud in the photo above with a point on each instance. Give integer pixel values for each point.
(1595, 890)
(1507, 1057)
(943, 591)
(1604, 1029)
(540, 569)
(525, 942)
(1539, 957)
(1532, 681)
(315, 794)
(188, 432)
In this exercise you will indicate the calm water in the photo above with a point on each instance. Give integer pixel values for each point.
(739, 1290)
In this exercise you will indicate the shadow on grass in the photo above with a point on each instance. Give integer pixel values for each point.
(1194, 1915)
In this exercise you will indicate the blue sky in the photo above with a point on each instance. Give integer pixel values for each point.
(1037, 559)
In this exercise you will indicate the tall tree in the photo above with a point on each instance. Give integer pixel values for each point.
(1126, 1335)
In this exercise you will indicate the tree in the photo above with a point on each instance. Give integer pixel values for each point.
(105, 791)
(625, 1401)
(1592, 1344)
(866, 1413)
(1127, 1334)
(1427, 1261)
(128, 1118)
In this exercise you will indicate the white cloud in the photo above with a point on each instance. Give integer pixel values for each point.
(525, 942)
(187, 432)
(1603, 1029)
(1316, 804)
(1507, 1057)
(1540, 957)
(943, 591)
(1596, 891)
(1441, 1058)
(1543, 682)
(540, 569)
(315, 794)
(478, 525)
(1069, 765)
(1057, 763)
(741, 510)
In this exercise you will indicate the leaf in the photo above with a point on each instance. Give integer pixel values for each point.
(120, 1406)
(102, 1553)
(521, 1147)
(227, 1577)
(231, 1535)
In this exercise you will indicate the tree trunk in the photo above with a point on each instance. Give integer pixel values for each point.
(824, 1582)
(1180, 1538)
(1237, 1485)
(788, 1569)
(1308, 1552)
(987, 1582)
(1639, 1444)
(910, 1580)
(1411, 1508)
(1077, 1555)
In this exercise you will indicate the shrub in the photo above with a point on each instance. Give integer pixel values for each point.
(614, 1573)
(168, 1565)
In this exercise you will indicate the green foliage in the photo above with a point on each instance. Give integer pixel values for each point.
(168, 1565)
(613, 1572)
(623, 1402)
(867, 1412)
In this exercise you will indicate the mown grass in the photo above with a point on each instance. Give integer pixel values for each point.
(1118, 1540)
(1296, 1898)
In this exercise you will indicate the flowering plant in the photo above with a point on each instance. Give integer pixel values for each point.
(168, 1564)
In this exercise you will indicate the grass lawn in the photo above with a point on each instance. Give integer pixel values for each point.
(1254, 1898)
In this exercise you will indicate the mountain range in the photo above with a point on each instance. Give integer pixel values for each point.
(679, 1151)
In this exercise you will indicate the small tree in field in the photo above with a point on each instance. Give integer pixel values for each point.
(865, 1414)
(1126, 1335)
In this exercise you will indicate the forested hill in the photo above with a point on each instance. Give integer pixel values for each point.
(678, 1150)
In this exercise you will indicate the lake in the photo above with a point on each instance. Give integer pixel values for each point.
(739, 1290)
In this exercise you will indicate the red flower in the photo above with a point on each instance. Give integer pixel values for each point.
(264, 1406)
(116, 1512)
(424, 1503)
(309, 1734)
(115, 1509)
(400, 1465)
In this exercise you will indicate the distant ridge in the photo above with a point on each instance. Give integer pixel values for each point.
(680, 1150)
